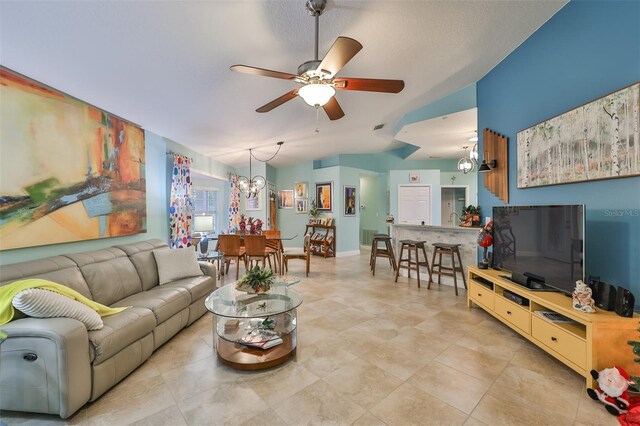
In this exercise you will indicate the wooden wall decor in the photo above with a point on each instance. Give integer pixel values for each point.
(496, 147)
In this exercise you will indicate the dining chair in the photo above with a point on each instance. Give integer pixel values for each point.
(256, 250)
(304, 254)
(275, 243)
(230, 245)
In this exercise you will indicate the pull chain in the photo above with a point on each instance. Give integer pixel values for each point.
(317, 119)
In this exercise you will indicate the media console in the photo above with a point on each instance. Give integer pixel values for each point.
(590, 342)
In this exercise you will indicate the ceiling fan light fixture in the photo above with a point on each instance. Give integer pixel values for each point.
(316, 94)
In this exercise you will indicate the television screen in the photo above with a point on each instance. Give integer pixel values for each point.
(546, 242)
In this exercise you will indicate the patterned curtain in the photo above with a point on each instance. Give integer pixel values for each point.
(181, 207)
(234, 204)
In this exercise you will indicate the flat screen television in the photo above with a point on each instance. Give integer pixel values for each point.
(545, 244)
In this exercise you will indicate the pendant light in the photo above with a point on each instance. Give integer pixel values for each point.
(465, 165)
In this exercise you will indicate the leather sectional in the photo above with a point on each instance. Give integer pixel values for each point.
(55, 365)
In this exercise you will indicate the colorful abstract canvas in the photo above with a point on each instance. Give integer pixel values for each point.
(68, 170)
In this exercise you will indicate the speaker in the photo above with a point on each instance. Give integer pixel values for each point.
(605, 296)
(624, 302)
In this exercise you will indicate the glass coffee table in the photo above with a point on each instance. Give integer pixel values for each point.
(244, 323)
(213, 257)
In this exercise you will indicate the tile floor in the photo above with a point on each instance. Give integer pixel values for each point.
(370, 352)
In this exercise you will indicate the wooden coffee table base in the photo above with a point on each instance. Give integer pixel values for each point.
(246, 358)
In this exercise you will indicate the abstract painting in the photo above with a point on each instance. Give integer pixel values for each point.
(68, 171)
(598, 140)
(349, 200)
(324, 196)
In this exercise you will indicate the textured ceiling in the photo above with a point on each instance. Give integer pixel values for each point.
(165, 65)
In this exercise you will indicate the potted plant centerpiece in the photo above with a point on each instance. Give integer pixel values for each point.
(256, 280)
(471, 215)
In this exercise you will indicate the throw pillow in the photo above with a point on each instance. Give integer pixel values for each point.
(40, 303)
(176, 264)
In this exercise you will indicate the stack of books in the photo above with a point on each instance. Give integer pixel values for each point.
(262, 339)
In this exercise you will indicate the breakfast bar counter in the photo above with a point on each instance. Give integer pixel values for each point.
(465, 236)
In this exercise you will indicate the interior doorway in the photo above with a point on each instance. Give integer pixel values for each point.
(453, 200)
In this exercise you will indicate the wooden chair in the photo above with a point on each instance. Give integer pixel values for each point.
(274, 243)
(256, 250)
(305, 254)
(231, 247)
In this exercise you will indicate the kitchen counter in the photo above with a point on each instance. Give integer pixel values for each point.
(465, 236)
(439, 228)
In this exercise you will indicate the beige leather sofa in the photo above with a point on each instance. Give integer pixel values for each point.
(55, 365)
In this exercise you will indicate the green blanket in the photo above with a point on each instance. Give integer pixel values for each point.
(7, 293)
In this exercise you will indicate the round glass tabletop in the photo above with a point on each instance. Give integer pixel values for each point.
(229, 302)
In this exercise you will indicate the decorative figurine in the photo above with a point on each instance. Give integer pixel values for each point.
(582, 300)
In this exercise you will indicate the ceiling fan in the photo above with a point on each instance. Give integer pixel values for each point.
(318, 78)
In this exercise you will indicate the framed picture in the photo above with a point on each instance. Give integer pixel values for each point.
(254, 203)
(70, 171)
(324, 196)
(591, 142)
(414, 177)
(300, 189)
(350, 205)
(285, 199)
(301, 205)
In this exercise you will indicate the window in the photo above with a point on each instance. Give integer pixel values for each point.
(205, 210)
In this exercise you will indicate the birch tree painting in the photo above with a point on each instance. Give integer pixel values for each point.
(599, 140)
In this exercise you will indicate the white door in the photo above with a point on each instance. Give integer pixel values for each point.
(414, 204)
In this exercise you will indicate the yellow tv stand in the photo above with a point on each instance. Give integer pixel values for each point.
(591, 342)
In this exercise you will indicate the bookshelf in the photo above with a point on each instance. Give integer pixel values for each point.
(323, 239)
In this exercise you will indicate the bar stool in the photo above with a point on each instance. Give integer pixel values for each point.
(449, 271)
(412, 265)
(387, 251)
(373, 247)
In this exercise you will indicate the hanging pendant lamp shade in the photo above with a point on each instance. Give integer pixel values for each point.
(465, 165)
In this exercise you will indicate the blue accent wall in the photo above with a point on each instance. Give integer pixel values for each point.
(585, 51)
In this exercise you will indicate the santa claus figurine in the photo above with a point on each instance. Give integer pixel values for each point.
(612, 389)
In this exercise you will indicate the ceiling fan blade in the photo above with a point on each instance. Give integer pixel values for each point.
(278, 101)
(333, 110)
(263, 72)
(343, 49)
(368, 84)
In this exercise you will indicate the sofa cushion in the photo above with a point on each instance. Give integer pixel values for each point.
(59, 269)
(197, 287)
(141, 255)
(163, 302)
(109, 274)
(40, 303)
(119, 331)
(176, 264)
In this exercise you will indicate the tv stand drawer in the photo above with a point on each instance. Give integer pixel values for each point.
(560, 341)
(481, 295)
(513, 314)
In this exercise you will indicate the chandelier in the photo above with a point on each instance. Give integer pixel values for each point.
(466, 164)
(252, 185)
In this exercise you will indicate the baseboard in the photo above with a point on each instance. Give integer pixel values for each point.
(348, 253)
